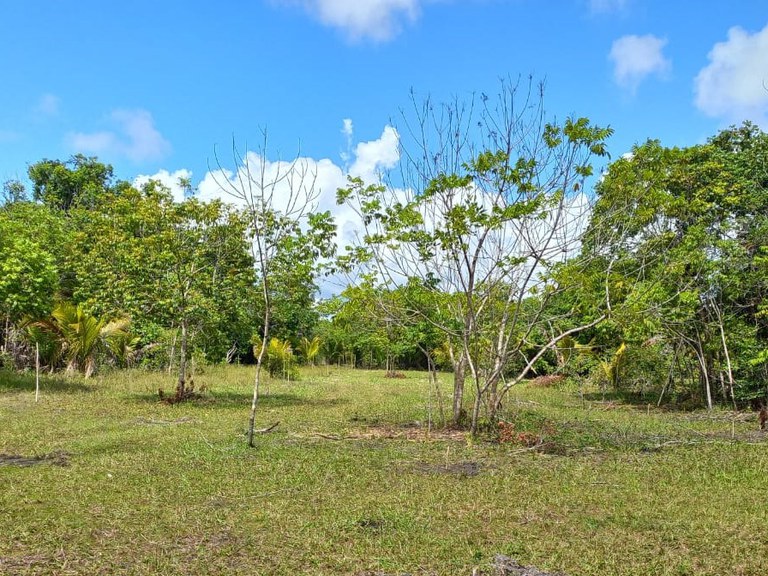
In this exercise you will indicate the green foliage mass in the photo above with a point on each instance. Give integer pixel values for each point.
(670, 282)
(683, 233)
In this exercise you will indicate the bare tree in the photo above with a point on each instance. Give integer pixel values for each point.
(489, 201)
(278, 197)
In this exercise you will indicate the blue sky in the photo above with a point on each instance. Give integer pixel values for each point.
(152, 86)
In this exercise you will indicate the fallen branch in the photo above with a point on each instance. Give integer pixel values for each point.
(267, 429)
(332, 436)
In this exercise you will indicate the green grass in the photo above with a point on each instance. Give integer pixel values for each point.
(349, 482)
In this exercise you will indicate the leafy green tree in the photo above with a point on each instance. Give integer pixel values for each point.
(28, 273)
(32, 240)
(79, 181)
(168, 265)
(13, 192)
(686, 231)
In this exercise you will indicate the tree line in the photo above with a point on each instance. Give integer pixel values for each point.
(499, 252)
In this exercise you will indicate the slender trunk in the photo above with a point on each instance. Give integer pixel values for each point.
(433, 385)
(476, 406)
(459, 376)
(492, 385)
(670, 376)
(37, 371)
(698, 348)
(173, 352)
(727, 360)
(478, 393)
(259, 363)
(181, 384)
(254, 401)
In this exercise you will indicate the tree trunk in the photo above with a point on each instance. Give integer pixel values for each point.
(255, 400)
(476, 405)
(699, 349)
(172, 354)
(181, 384)
(259, 363)
(727, 359)
(459, 375)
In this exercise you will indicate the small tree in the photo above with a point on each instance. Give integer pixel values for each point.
(279, 199)
(310, 349)
(78, 338)
(490, 201)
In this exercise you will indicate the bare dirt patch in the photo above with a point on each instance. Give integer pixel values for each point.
(411, 431)
(547, 381)
(55, 458)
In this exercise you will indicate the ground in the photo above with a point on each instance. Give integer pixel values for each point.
(99, 477)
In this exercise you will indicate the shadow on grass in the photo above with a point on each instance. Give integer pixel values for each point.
(634, 399)
(25, 382)
(239, 399)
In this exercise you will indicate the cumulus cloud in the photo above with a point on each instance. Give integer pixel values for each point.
(322, 177)
(171, 180)
(377, 20)
(733, 85)
(134, 137)
(637, 57)
(371, 158)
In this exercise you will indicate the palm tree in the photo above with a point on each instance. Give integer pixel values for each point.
(310, 349)
(78, 338)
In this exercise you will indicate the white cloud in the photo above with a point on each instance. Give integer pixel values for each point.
(637, 57)
(376, 156)
(48, 105)
(734, 84)
(323, 176)
(347, 128)
(168, 179)
(378, 20)
(134, 137)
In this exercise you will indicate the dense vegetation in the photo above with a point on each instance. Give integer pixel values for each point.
(494, 262)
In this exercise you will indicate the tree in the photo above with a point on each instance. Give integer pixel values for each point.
(13, 192)
(78, 338)
(77, 182)
(688, 234)
(278, 199)
(491, 200)
(181, 266)
(28, 273)
(32, 240)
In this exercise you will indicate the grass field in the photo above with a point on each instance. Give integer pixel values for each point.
(99, 477)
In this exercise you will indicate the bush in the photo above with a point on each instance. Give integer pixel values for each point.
(279, 359)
